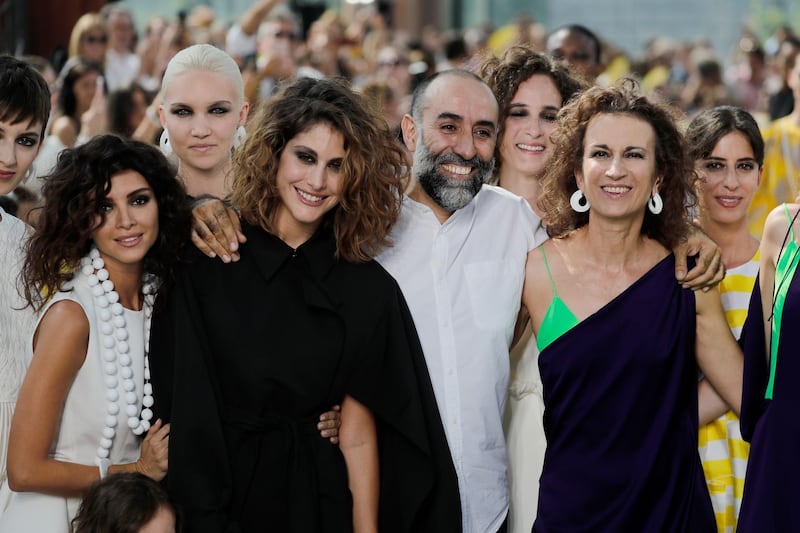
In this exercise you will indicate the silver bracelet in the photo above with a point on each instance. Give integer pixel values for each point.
(102, 465)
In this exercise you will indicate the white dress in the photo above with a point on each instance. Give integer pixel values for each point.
(82, 422)
(17, 323)
(525, 438)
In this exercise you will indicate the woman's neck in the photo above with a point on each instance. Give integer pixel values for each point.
(738, 246)
(199, 182)
(613, 245)
(527, 187)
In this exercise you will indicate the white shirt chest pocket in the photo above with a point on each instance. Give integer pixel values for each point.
(495, 290)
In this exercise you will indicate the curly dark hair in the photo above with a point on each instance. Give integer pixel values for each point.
(122, 503)
(73, 194)
(24, 95)
(504, 75)
(372, 171)
(677, 187)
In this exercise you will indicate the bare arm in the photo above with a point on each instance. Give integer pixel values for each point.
(59, 352)
(359, 445)
(718, 353)
(255, 15)
(709, 404)
(708, 271)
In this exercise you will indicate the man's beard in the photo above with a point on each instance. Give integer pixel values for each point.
(451, 194)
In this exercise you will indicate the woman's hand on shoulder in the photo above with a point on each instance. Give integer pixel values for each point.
(216, 230)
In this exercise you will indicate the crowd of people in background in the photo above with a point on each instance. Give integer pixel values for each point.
(432, 286)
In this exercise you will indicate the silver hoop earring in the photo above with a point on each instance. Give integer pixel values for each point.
(239, 137)
(579, 202)
(164, 144)
(656, 204)
(31, 172)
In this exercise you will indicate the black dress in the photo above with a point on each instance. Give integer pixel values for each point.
(246, 356)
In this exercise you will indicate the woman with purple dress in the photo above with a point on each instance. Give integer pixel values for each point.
(620, 341)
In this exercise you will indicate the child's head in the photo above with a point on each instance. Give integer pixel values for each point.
(126, 503)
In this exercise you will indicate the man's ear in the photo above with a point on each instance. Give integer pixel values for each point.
(409, 127)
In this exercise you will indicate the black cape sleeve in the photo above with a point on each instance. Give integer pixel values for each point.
(756, 372)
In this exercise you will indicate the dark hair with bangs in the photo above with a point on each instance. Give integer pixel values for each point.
(24, 95)
(711, 125)
(371, 174)
(73, 194)
(673, 163)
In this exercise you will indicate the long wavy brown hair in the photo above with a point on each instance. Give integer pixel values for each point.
(677, 187)
(372, 171)
(504, 75)
(73, 194)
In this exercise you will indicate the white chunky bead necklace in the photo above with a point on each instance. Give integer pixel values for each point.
(116, 352)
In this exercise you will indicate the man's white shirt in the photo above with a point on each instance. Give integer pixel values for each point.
(463, 283)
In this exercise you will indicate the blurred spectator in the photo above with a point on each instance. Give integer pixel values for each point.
(122, 64)
(578, 47)
(89, 39)
(126, 109)
(151, 71)
(748, 75)
(28, 204)
(781, 98)
(705, 87)
(455, 52)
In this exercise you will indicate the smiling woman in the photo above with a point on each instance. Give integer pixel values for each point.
(111, 229)
(304, 320)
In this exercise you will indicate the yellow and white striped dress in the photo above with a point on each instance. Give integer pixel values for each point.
(722, 450)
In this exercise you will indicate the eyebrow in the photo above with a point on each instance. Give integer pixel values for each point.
(606, 147)
(455, 116)
(212, 104)
(140, 191)
(522, 104)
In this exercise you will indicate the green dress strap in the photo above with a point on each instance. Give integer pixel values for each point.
(558, 319)
(784, 272)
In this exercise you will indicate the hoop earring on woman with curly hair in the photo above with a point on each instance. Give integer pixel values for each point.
(656, 204)
(579, 202)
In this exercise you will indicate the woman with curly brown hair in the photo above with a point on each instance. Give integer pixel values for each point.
(530, 89)
(256, 349)
(112, 226)
(620, 342)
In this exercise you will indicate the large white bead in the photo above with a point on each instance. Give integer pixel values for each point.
(130, 397)
(86, 261)
(97, 291)
(108, 342)
(146, 372)
(138, 430)
(118, 321)
(106, 329)
(109, 432)
(113, 297)
(102, 274)
(133, 423)
(110, 368)
(94, 253)
(111, 421)
(104, 314)
(128, 385)
(126, 372)
(109, 355)
(101, 301)
(122, 347)
(145, 424)
(131, 410)
(107, 285)
(148, 311)
(112, 408)
(92, 280)
(112, 395)
(97, 263)
(121, 334)
(148, 389)
(111, 382)
(117, 309)
(87, 269)
(125, 359)
(147, 414)
(102, 453)
(147, 401)
(106, 443)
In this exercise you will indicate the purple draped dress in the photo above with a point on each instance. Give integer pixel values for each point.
(770, 496)
(620, 391)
